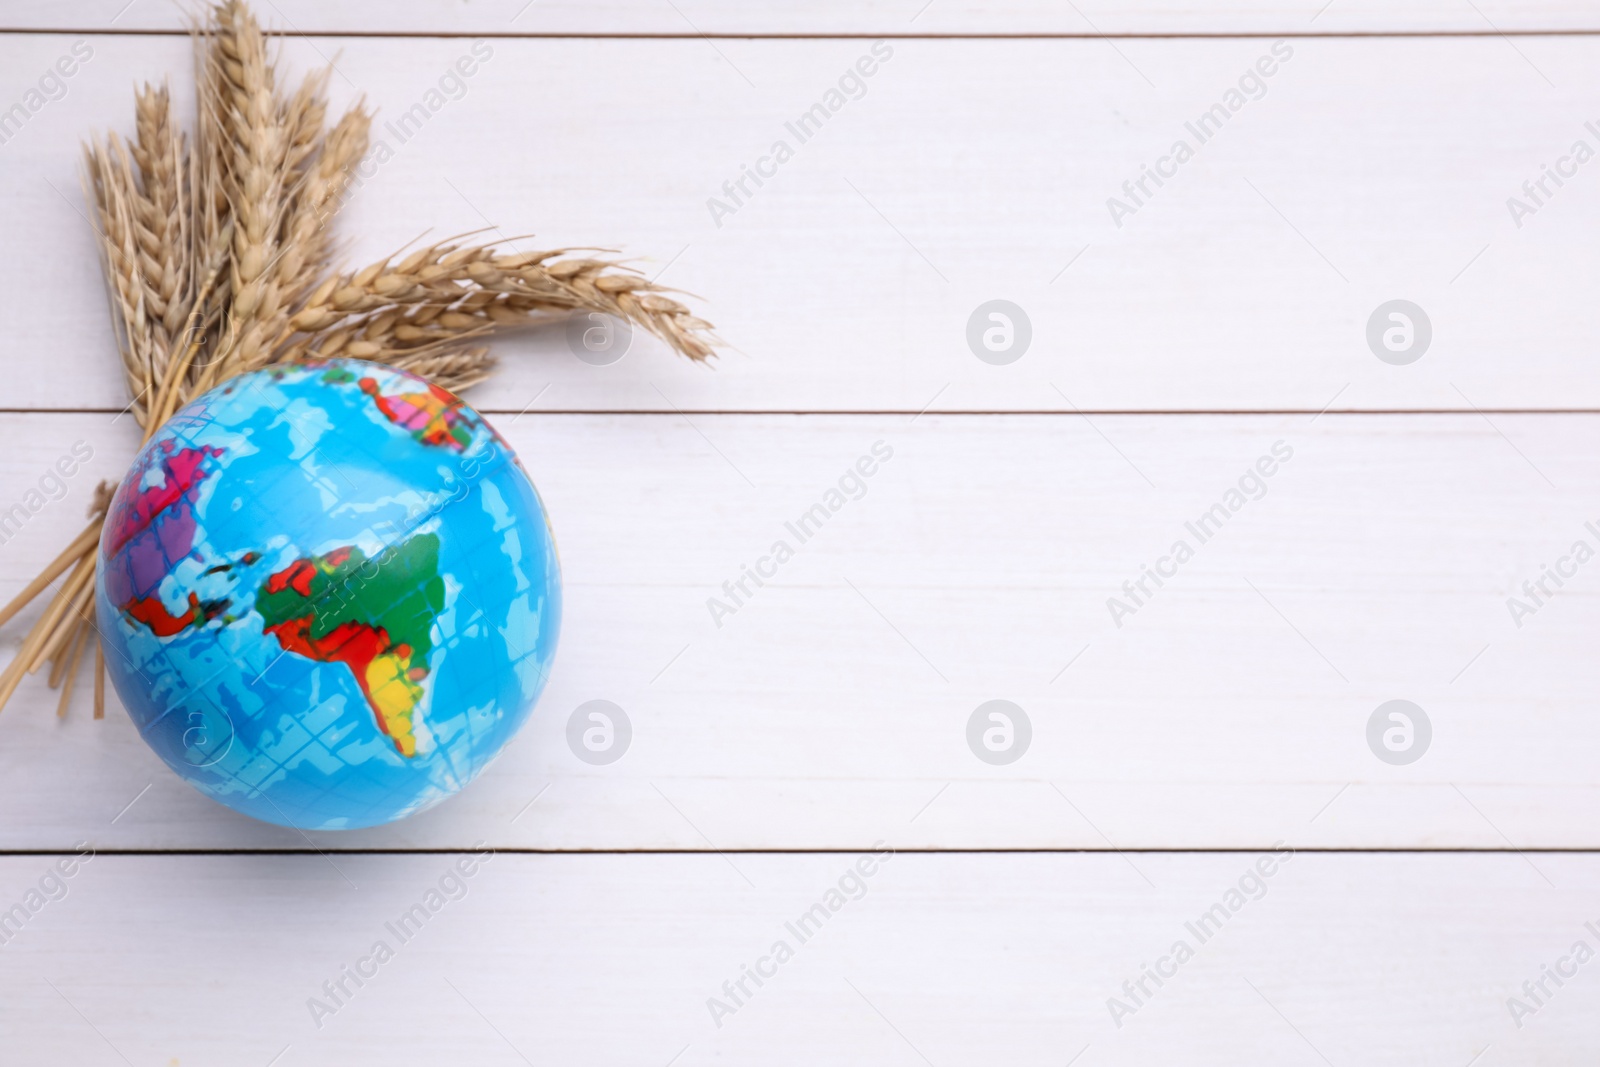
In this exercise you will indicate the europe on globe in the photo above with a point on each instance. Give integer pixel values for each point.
(328, 594)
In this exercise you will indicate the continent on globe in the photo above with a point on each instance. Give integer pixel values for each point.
(433, 415)
(373, 615)
(150, 529)
(161, 622)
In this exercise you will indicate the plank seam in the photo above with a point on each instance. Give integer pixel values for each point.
(502, 35)
(513, 850)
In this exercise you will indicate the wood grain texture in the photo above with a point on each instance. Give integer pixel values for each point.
(1371, 169)
(829, 707)
(938, 959)
(838, 17)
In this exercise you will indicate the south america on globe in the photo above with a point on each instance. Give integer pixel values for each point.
(328, 594)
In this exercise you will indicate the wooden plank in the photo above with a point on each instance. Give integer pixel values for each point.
(941, 959)
(838, 17)
(1370, 170)
(831, 707)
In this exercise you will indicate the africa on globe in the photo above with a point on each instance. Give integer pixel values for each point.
(328, 594)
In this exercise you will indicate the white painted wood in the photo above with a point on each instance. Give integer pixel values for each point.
(1372, 169)
(945, 959)
(830, 709)
(837, 16)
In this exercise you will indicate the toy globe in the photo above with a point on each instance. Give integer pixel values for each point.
(328, 594)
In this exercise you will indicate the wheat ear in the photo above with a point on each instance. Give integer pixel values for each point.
(162, 214)
(257, 181)
(446, 292)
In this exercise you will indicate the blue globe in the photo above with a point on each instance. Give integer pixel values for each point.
(328, 594)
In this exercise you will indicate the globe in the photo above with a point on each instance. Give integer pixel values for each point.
(328, 594)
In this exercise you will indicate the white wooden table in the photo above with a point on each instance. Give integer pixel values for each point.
(1199, 767)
